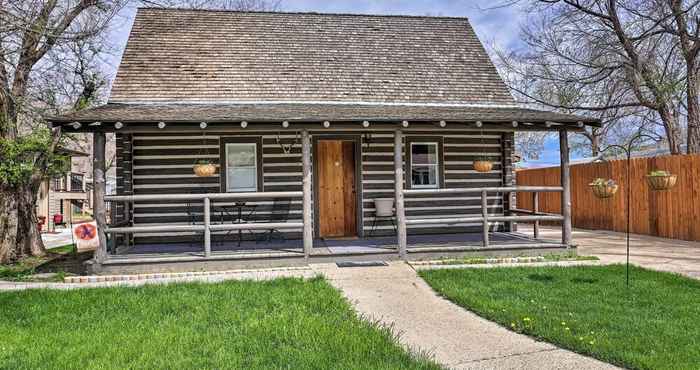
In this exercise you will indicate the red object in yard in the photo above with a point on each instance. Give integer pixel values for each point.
(42, 222)
(58, 219)
(86, 231)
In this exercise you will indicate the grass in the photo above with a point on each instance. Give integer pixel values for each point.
(285, 323)
(588, 309)
(480, 260)
(64, 249)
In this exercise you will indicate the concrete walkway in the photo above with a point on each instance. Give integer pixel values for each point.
(455, 337)
(655, 253)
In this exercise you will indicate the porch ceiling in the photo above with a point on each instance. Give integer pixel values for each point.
(316, 112)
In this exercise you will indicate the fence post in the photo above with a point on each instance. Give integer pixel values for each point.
(535, 210)
(485, 216)
(207, 232)
(398, 194)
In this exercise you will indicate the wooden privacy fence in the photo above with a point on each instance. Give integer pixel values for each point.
(672, 213)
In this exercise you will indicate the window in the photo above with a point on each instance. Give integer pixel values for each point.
(241, 167)
(425, 165)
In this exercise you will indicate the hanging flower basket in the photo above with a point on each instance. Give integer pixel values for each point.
(661, 180)
(483, 165)
(603, 188)
(204, 169)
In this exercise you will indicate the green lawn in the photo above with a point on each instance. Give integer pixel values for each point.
(655, 324)
(285, 323)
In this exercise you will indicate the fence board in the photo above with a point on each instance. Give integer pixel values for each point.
(671, 214)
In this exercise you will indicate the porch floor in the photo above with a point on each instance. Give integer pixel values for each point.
(379, 244)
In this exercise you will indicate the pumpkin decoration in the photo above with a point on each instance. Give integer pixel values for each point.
(603, 188)
(204, 168)
(661, 180)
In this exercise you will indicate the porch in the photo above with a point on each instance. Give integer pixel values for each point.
(483, 226)
(235, 243)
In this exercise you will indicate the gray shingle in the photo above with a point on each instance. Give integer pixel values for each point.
(216, 56)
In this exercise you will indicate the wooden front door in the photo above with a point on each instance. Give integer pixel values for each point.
(337, 210)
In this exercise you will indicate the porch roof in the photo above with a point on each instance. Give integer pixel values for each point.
(267, 112)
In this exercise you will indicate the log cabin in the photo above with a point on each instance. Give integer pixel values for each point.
(249, 138)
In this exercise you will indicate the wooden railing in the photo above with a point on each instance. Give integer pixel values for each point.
(485, 218)
(206, 227)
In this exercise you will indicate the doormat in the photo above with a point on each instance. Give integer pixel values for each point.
(361, 264)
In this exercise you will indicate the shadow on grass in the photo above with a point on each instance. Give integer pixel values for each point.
(541, 278)
(584, 280)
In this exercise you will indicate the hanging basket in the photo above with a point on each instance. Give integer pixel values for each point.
(482, 165)
(662, 181)
(204, 169)
(603, 188)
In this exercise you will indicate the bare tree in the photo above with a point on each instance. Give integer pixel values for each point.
(33, 38)
(236, 5)
(616, 58)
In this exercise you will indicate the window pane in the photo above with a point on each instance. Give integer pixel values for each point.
(424, 153)
(424, 175)
(240, 155)
(241, 167)
(242, 179)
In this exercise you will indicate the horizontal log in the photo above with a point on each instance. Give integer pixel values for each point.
(154, 229)
(539, 189)
(428, 221)
(526, 218)
(447, 221)
(211, 196)
(257, 226)
(530, 212)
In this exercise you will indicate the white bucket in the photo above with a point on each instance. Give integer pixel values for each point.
(384, 207)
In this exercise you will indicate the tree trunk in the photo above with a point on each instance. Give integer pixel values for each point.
(693, 114)
(19, 235)
(673, 132)
(28, 237)
(595, 142)
(8, 226)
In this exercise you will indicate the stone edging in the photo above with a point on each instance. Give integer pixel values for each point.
(438, 266)
(99, 281)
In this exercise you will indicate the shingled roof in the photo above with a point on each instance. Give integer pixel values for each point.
(218, 56)
(201, 65)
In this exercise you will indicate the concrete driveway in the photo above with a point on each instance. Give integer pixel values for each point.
(661, 254)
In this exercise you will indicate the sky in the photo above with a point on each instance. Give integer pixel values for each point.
(495, 26)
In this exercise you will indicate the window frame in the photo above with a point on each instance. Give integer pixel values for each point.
(440, 177)
(223, 162)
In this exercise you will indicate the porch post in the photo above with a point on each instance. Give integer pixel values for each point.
(207, 231)
(306, 163)
(485, 217)
(99, 189)
(565, 184)
(536, 210)
(398, 193)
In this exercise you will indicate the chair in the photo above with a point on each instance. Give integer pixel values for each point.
(193, 210)
(383, 210)
(279, 214)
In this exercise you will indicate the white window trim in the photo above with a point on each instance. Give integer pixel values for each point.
(437, 165)
(255, 155)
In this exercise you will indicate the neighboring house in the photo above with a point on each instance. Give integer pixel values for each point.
(64, 196)
(300, 113)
